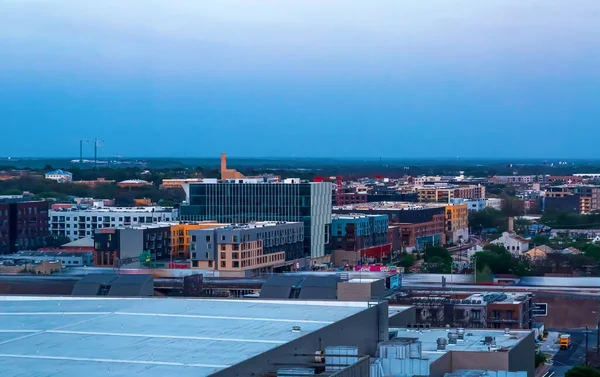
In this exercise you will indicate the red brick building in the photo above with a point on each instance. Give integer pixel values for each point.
(23, 224)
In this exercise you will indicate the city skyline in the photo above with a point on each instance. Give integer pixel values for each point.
(432, 79)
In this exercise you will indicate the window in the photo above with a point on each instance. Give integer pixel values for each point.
(223, 256)
(209, 246)
(236, 264)
(476, 314)
(223, 248)
(207, 238)
(193, 246)
(235, 255)
(235, 239)
(223, 264)
(194, 255)
(210, 264)
(193, 238)
(222, 238)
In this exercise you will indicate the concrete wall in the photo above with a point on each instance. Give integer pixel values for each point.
(479, 360)
(568, 311)
(441, 366)
(360, 291)
(131, 242)
(363, 330)
(522, 356)
(404, 318)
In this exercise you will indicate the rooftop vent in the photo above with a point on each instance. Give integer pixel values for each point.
(461, 333)
(441, 344)
(296, 329)
(452, 338)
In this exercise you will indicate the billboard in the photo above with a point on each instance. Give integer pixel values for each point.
(376, 268)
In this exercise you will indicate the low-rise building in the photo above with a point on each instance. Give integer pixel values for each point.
(495, 203)
(472, 204)
(178, 183)
(23, 223)
(94, 183)
(59, 175)
(181, 237)
(248, 249)
(514, 243)
(114, 247)
(134, 183)
(66, 258)
(78, 222)
(358, 236)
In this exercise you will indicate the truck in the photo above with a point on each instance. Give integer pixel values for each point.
(565, 341)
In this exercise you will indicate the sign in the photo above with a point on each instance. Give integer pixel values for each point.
(395, 281)
(540, 309)
(375, 269)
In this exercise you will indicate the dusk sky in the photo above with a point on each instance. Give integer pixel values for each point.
(283, 78)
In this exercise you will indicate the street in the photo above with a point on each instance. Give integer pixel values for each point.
(566, 359)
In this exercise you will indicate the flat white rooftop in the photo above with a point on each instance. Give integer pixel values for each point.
(57, 337)
(473, 340)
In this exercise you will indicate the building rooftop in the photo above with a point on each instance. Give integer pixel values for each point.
(56, 337)
(59, 171)
(116, 209)
(474, 340)
(392, 206)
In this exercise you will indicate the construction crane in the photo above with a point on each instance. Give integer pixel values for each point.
(81, 149)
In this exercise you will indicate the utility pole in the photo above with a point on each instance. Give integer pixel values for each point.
(81, 149)
(586, 344)
(97, 143)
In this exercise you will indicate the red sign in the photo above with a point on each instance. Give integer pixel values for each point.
(375, 269)
(179, 265)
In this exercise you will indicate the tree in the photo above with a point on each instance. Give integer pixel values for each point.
(56, 241)
(540, 359)
(583, 371)
(407, 261)
(540, 239)
(486, 218)
(437, 259)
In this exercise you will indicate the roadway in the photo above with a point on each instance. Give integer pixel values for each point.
(566, 359)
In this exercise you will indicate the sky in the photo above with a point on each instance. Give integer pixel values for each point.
(301, 78)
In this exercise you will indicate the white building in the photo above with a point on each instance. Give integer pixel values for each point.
(514, 243)
(472, 204)
(495, 203)
(77, 223)
(59, 176)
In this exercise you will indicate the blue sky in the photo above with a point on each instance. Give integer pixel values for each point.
(282, 78)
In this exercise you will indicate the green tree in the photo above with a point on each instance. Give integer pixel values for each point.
(407, 261)
(540, 359)
(56, 241)
(437, 259)
(540, 239)
(583, 371)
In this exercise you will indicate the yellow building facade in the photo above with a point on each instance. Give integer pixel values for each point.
(181, 239)
(457, 222)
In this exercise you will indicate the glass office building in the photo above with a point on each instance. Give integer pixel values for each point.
(238, 201)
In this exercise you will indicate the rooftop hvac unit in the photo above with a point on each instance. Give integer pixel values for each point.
(452, 338)
(441, 344)
(461, 333)
(339, 357)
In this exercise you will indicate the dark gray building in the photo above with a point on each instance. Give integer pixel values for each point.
(248, 200)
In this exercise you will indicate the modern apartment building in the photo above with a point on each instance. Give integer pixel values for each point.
(561, 198)
(257, 199)
(181, 238)
(445, 194)
(112, 245)
(77, 223)
(457, 223)
(420, 224)
(247, 249)
(357, 236)
(23, 224)
(275, 237)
